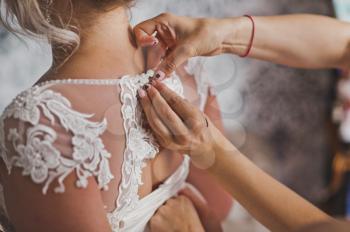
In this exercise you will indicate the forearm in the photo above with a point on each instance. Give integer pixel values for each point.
(270, 202)
(218, 199)
(305, 41)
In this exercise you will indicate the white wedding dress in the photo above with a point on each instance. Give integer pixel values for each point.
(59, 127)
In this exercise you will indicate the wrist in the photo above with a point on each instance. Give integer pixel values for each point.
(218, 140)
(221, 146)
(222, 150)
(236, 35)
(214, 146)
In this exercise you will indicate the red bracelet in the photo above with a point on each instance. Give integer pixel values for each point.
(250, 45)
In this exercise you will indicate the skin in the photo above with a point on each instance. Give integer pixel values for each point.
(288, 40)
(177, 214)
(197, 216)
(184, 129)
(108, 49)
(28, 208)
(218, 199)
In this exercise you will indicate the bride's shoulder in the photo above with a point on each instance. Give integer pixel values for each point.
(41, 103)
(26, 105)
(43, 135)
(55, 98)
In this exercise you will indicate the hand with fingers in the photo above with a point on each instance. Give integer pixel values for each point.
(177, 214)
(187, 212)
(178, 38)
(178, 125)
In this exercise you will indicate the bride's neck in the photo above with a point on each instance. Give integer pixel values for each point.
(107, 49)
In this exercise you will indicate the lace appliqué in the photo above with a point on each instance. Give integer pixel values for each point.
(140, 145)
(35, 152)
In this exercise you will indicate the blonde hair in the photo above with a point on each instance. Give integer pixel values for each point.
(38, 19)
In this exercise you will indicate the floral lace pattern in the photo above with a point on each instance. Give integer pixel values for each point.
(140, 145)
(35, 152)
(38, 158)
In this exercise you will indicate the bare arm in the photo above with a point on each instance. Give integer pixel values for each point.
(272, 203)
(79, 210)
(218, 199)
(47, 189)
(300, 40)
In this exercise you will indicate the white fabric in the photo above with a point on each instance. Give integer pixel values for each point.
(34, 147)
(196, 67)
(140, 147)
(138, 218)
(38, 157)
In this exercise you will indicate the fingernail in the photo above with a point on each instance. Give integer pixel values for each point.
(160, 75)
(141, 93)
(145, 87)
(155, 42)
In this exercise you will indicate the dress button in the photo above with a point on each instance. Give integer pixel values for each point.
(121, 224)
(150, 73)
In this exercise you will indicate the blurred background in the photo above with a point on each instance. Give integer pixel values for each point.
(286, 120)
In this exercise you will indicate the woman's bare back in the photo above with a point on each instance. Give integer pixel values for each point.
(86, 142)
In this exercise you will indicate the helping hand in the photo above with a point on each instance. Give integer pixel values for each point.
(179, 126)
(187, 212)
(182, 38)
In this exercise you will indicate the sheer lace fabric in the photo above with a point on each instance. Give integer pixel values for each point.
(92, 128)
